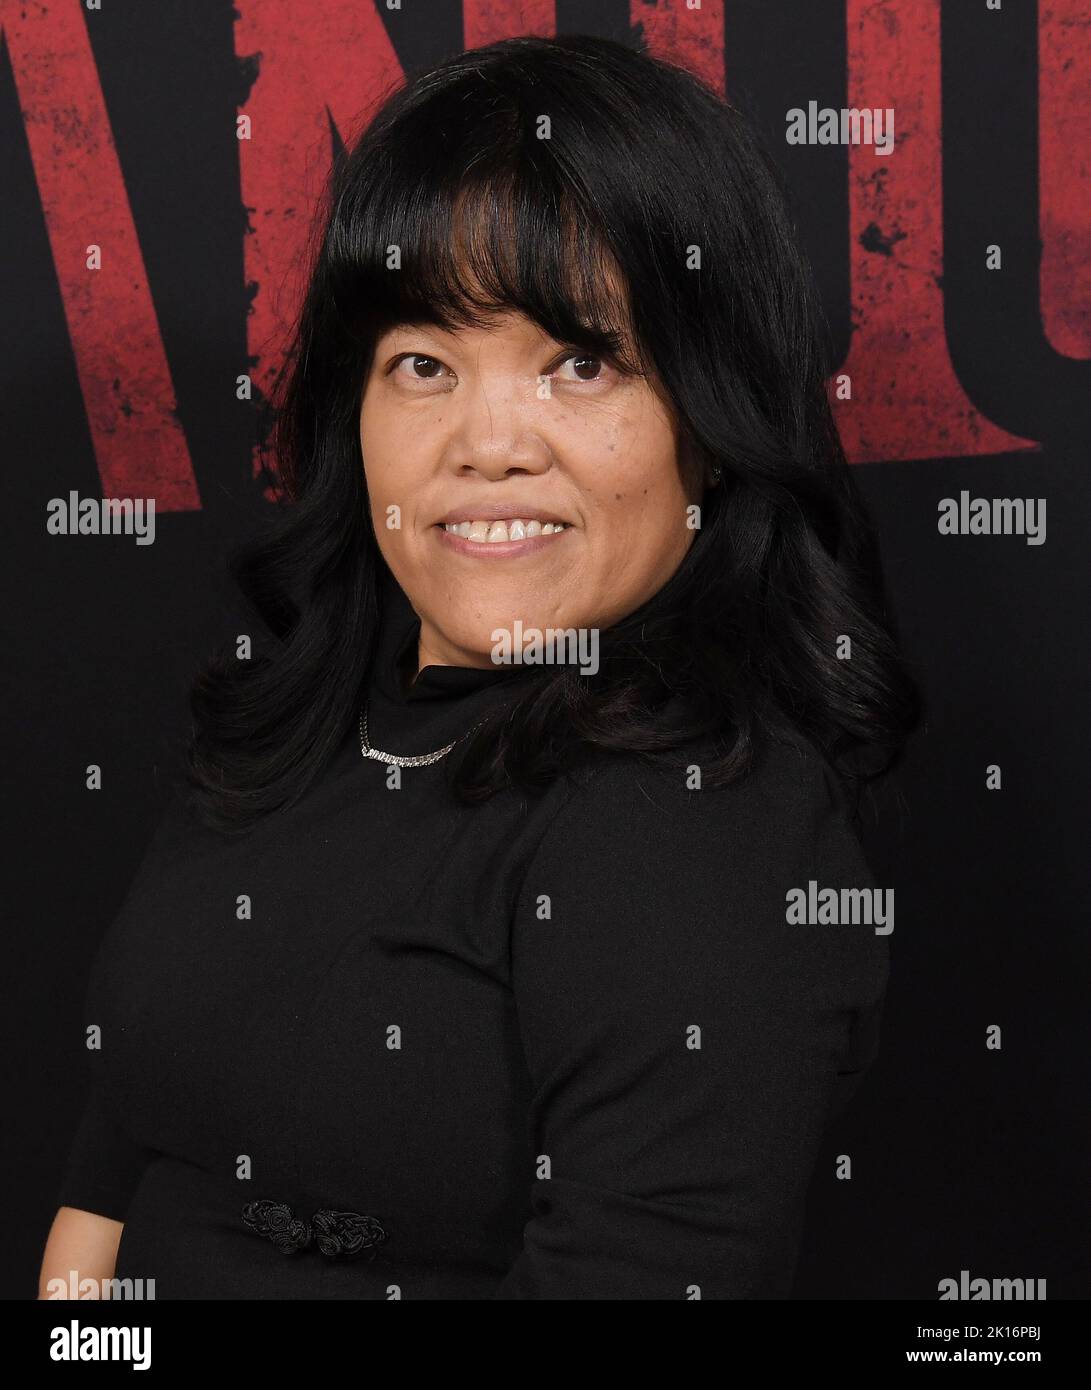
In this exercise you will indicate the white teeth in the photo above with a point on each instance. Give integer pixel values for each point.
(514, 529)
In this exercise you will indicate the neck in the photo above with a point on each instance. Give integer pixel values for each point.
(431, 652)
(408, 670)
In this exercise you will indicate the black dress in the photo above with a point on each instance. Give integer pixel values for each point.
(387, 1046)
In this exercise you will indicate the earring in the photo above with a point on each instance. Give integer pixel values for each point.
(717, 473)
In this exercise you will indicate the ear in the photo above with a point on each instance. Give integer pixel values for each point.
(696, 473)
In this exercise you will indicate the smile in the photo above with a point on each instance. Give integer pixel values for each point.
(502, 537)
(513, 529)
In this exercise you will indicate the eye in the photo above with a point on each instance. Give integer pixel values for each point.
(417, 367)
(421, 367)
(587, 366)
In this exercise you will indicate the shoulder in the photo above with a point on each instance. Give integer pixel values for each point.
(644, 868)
(787, 813)
(177, 851)
(647, 890)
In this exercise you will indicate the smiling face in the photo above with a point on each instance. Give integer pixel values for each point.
(484, 424)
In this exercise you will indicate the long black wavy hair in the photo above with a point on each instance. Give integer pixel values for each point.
(645, 170)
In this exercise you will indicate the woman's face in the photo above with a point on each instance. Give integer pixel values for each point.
(505, 422)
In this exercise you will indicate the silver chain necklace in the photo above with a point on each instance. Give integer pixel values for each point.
(396, 759)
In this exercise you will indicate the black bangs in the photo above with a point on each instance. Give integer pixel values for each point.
(509, 235)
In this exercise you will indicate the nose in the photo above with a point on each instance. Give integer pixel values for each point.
(495, 427)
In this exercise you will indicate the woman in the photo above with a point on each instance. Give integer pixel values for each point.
(466, 976)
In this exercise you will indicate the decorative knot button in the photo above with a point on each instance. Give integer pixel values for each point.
(339, 1235)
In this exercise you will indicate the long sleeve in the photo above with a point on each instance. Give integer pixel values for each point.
(687, 1042)
(104, 1165)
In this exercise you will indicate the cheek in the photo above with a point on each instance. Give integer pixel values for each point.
(383, 457)
(370, 447)
(379, 479)
(631, 470)
(613, 443)
(379, 427)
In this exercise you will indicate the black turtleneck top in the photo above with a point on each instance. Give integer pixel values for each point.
(557, 1047)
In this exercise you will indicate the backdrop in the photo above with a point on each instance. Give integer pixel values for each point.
(160, 162)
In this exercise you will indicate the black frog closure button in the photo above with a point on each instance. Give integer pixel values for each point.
(339, 1235)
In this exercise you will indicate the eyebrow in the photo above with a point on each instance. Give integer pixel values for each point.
(424, 325)
(430, 325)
(415, 324)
